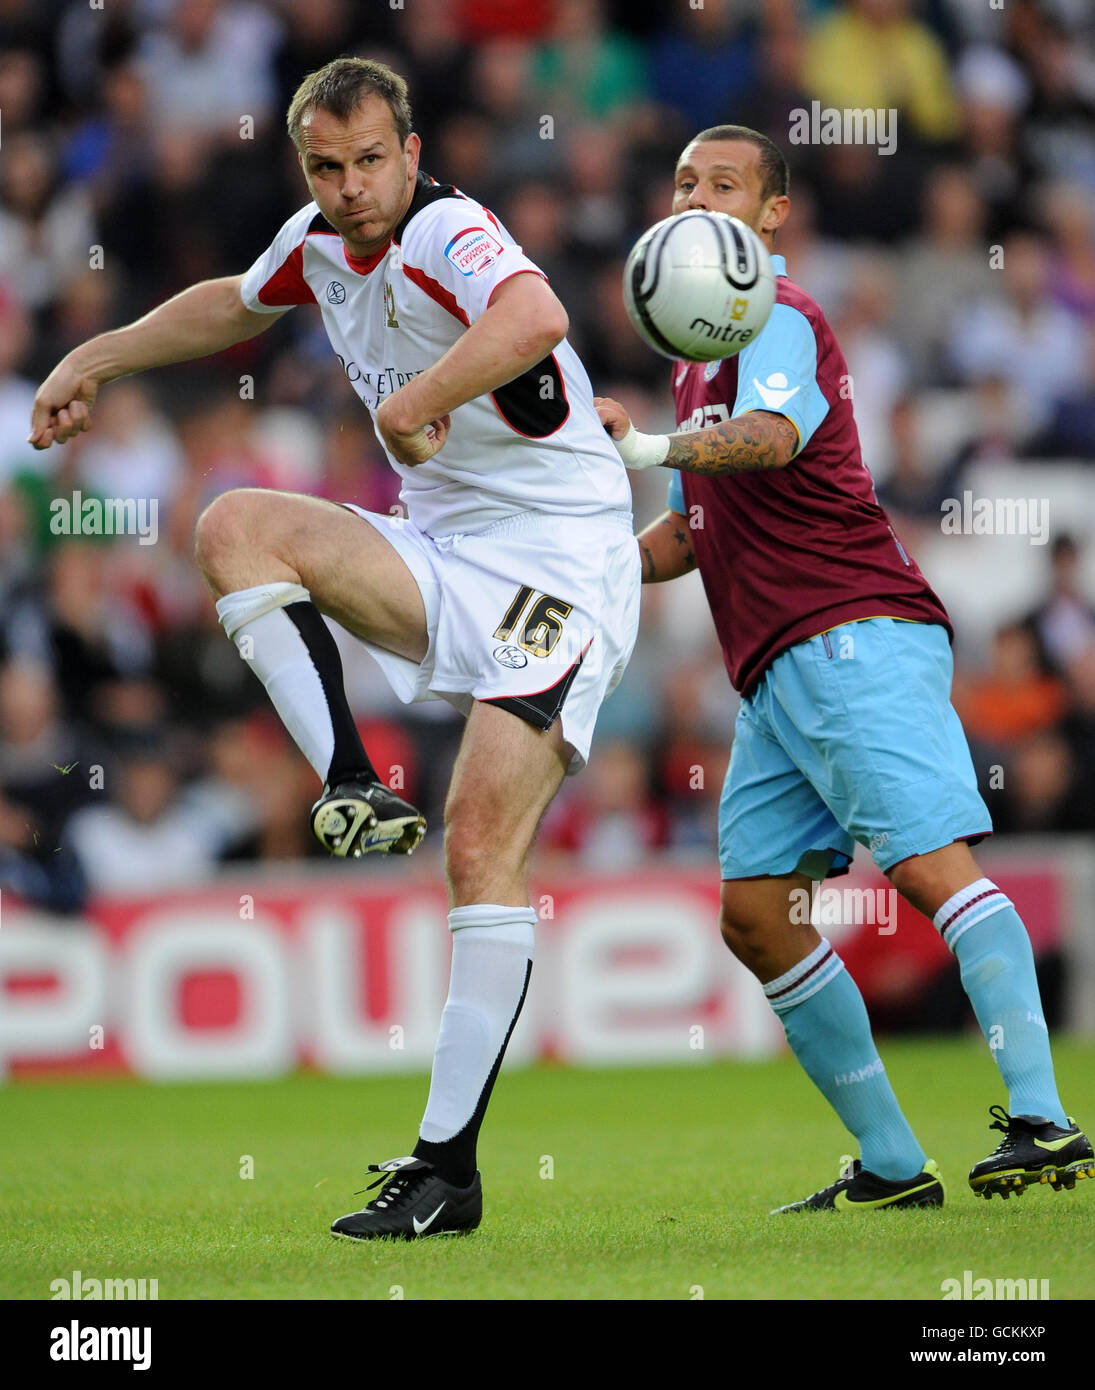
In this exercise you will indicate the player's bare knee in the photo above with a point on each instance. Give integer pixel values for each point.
(741, 935)
(222, 527)
(919, 882)
(757, 928)
(476, 853)
(928, 880)
(468, 854)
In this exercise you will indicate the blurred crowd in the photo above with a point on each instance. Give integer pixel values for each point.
(143, 149)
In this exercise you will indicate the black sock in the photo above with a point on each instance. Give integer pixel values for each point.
(349, 761)
(455, 1158)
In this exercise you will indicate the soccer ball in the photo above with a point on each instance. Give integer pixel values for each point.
(699, 285)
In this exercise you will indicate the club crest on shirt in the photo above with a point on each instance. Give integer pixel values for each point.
(336, 292)
(389, 306)
(711, 371)
(473, 250)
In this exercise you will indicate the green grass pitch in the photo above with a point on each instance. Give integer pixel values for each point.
(662, 1182)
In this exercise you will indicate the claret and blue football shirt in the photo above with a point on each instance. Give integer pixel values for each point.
(787, 553)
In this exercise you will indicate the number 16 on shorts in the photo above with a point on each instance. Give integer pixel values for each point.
(541, 630)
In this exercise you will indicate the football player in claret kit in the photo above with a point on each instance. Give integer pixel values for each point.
(511, 590)
(841, 653)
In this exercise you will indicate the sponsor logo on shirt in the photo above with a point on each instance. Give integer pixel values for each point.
(513, 657)
(473, 250)
(775, 391)
(374, 386)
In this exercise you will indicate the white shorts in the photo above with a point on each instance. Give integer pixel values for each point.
(537, 614)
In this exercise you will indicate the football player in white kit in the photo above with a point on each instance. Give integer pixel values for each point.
(511, 589)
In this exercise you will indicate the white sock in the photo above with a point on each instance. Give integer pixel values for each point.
(492, 950)
(272, 645)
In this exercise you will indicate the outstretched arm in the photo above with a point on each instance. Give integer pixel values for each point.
(204, 319)
(748, 443)
(757, 440)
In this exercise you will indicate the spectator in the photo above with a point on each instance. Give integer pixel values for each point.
(1063, 624)
(110, 151)
(145, 835)
(872, 55)
(597, 205)
(210, 65)
(94, 634)
(43, 763)
(500, 80)
(1069, 211)
(615, 822)
(1079, 723)
(464, 149)
(1057, 127)
(1041, 792)
(132, 452)
(312, 32)
(913, 492)
(540, 221)
(16, 393)
(583, 70)
(1015, 698)
(1054, 363)
(21, 89)
(46, 227)
(434, 62)
(877, 367)
(993, 93)
(702, 63)
(778, 90)
(942, 269)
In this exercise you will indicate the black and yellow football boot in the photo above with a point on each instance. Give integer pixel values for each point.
(858, 1189)
(1033, 1150)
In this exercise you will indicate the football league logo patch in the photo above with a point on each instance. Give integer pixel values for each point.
(473, 250)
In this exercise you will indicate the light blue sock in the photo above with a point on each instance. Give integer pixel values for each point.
(824, 1017)
(988, 939)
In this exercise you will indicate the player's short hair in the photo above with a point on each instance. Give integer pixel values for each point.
(342, 85)
(775, 177)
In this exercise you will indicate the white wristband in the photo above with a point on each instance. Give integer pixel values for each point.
(642, 450)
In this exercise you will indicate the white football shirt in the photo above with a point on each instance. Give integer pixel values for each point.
(535, 444)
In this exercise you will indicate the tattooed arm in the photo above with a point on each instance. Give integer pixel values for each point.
(666, 549)
(745, 444)
(758, 440)
(748, 443)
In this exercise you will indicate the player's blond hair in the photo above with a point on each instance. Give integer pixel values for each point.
(341, 86)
